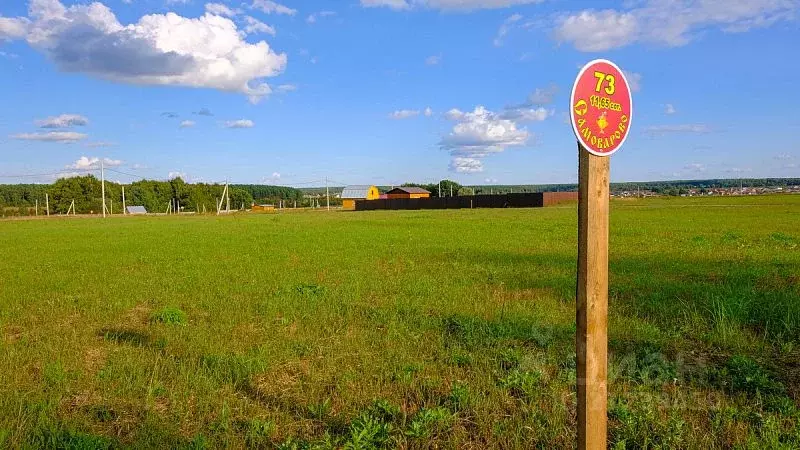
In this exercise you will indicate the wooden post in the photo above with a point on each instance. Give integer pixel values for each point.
(592, 299)
(124, 206)
(47, 203)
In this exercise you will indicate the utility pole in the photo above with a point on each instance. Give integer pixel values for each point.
(112, 206)
(227, 198)
(103, 186)
(440, 188)
(37, 206)
(47, 203)
(327, 194)
(451, 190)
(124, 209)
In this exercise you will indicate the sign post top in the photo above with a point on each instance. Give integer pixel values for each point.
(601, 107)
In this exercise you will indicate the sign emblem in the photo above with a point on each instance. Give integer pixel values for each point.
(601, 107)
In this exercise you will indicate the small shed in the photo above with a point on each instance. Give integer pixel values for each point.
(133, 210)
(360, 192)
(408, 192)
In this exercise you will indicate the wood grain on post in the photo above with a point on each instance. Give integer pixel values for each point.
(592, 299)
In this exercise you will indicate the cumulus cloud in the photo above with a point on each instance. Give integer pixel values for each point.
(670, 23)
(271, 7)
(13, 27)
(241, 123)
(63, 121)
(445, 5)
(428, 112)
(187, 124)
(783, 156)
(87, 163)
(159, 49)
(478, 134)
(404, 114)
(177, 174)
(51, 136)
(692, 128)
(669, 109)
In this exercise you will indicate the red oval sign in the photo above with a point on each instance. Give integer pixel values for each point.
(601, 107)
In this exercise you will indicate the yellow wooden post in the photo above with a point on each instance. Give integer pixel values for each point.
(592, 299)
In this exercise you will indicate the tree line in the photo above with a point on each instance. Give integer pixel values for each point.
(155, 196)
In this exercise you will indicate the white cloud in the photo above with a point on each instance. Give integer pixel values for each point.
(528, 114)
(477, 135)
(51, 136)
(669, 109)
(13, 27)
(312, 18)
(98, 144)
(543, 96)
(660, 130)
(222, 9)
(695, 167)
(63, 121)
(490, 180)
(241, 123)
(270, 7)
(253, 25)
(634, 80)
(505, 27)
(159, 49)
(446, 5)
(738, 170)
(783, 156)
(286, 88)
(428, 112)
(433, 60)
(404, 114)
(454, 114)
(86, 163)
(393, 4)
(177, 174)
(460, 164)
(187, 124)
(8, 55)
(204, 112)
(670, 23)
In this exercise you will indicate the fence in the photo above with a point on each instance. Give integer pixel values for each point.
(526, 200)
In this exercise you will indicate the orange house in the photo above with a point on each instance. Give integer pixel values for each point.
(408, 192)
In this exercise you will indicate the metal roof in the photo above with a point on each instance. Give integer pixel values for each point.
(410, 190)
(356, 191)
(136, 210)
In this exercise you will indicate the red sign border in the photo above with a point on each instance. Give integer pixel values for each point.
(572, 106)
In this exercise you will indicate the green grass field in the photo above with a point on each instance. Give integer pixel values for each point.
(414, 329)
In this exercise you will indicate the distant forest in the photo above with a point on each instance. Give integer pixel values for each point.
(153, 195)
(20, 199)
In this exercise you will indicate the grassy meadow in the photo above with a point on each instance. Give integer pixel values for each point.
(410, 329)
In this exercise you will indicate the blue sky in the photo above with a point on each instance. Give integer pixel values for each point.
(388, 91)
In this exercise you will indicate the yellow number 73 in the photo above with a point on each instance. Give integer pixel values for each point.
(604, 77)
